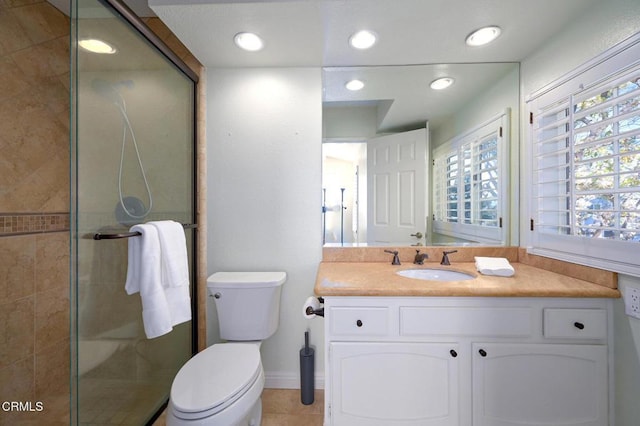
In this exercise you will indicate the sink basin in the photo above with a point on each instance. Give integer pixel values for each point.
(435, 274)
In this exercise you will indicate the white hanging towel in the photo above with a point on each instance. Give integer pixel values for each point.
(158, 270)
(144, 277)
(498, 266)
(173, 245)
(174, 263)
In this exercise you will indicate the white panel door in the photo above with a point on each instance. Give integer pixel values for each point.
(397, 187)
(539, 384)
(390, 384)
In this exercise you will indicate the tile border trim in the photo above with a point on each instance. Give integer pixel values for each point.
(12, 224)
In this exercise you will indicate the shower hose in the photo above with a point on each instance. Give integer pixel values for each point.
(126, 125)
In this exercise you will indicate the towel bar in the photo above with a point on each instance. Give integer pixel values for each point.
(99, 236)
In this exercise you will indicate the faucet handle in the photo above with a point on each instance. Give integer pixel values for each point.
(445, 257)
(396, 259)
(420, 257)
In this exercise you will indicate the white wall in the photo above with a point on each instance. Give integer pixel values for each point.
(264, 199)
(627, 361)
(602, 26)
(349, 122)
(491, 102)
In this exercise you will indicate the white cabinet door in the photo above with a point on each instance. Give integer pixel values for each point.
(394, 383)
(539, 384)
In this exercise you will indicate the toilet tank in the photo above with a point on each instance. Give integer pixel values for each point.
(248, 303)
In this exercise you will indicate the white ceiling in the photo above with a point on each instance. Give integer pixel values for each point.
(315, 33)
(402, 94)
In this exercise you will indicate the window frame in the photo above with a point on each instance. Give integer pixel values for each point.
(469, 141)
(614, 255)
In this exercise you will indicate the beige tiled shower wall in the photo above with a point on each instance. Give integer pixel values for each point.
(34, 325)
(34, 205)
(34, 108)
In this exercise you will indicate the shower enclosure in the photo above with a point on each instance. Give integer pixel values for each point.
(133, 161)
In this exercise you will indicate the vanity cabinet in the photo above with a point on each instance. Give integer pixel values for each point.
(466, 361)
(394, 383)
(539, 384)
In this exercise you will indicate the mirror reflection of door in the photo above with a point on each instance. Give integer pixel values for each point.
(397, 187)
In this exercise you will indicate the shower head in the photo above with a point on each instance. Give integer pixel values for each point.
(108, 91)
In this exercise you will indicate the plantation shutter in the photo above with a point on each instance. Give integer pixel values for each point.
(470, 174)
(585, 139)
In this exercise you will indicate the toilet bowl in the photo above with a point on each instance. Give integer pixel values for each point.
(219, 386)
(222, 385)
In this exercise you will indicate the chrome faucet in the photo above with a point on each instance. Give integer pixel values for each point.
(396, 259)
(445, 257)
(420, 257)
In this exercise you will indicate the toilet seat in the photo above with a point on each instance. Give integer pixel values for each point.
(214, 379)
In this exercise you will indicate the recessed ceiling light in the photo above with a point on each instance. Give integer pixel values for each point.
(354, 85)
(362, 39)
(483, 36)
(248, 41)
(441, 83)
(97, 46)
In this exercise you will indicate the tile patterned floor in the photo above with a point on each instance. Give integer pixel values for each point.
(282, 407)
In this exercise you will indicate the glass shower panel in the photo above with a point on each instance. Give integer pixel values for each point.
(134, 162)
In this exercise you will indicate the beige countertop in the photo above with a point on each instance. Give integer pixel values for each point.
(380, 279)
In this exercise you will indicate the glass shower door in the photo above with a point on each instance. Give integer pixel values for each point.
(133, 162)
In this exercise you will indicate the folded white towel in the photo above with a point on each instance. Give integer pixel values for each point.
(498, 266)
(175, 269)
(179, 304)
(144, 277)
(173, 246)
(159, 270)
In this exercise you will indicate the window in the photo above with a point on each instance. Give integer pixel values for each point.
(586, 167)
(469, 175)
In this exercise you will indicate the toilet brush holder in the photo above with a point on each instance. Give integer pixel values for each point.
(307, 366)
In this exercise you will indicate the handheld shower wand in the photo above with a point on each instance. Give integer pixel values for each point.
(110, 92)
(107, 91)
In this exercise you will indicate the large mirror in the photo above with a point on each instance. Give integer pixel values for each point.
(397, 115)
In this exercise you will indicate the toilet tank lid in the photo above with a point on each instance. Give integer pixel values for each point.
(246, 279)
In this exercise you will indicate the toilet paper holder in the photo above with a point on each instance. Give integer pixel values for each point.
(319, 312)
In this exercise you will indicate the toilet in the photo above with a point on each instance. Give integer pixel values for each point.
(222, 385)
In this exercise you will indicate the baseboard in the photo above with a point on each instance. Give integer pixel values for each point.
(279, 380)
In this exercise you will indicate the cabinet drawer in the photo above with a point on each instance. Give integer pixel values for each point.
(575, 323)
(365, 321)
(464, 321)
